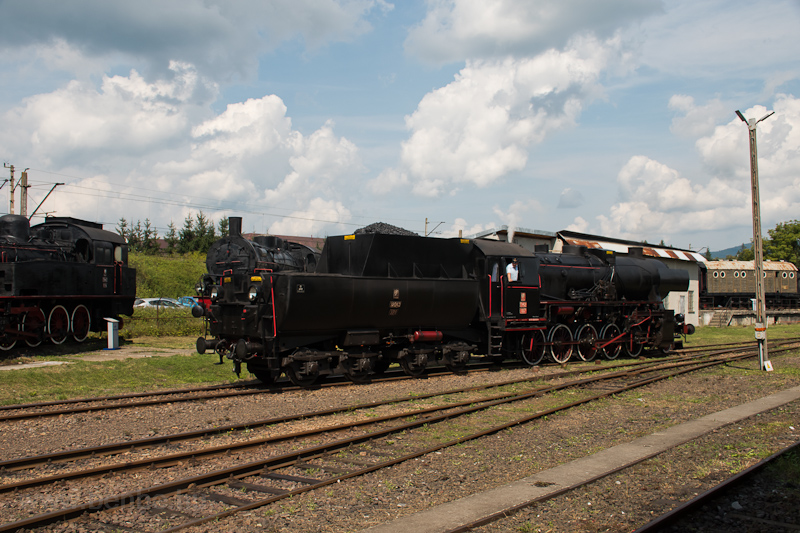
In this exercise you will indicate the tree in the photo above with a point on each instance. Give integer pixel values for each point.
(122, 228)
(187, 236)
(745, 254)
(149, 238)
(223, 227)
(171, 238)
(784, 242)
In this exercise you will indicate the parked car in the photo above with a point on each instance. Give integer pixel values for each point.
(157, 302)
(187, 301)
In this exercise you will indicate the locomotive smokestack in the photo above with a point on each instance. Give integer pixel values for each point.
(235, 226)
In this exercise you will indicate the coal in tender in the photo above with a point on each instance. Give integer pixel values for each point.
(384, 229)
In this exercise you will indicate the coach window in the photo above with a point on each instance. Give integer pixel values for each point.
(716, 274)
(722, 274)
(791, 274)
(744, 274)
(784, 275)
(736, 274)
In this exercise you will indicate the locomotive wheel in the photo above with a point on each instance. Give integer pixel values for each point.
(411, 367)
(33, 323)
(302, 373)
(81, 323)
(58, 324)
(610, 331)
(532, 348)
(267, 377)
(561, 343)
(456, 362)
(587, 342)
(8, 341)
(632, 347)
(357, 371)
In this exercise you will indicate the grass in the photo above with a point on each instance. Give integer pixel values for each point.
(102, 378)
(157, 334)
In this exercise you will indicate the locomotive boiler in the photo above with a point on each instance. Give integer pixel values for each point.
(60, 279)
(375, 299)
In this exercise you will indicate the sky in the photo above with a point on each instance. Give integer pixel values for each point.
(318, 117)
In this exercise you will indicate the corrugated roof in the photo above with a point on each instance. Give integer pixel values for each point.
(649, 250)
(748, 265)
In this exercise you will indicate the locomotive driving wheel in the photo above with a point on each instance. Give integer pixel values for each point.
(560, 343)
(33, 324)
(633, 344)
(9, 336)
(81, 323)
(531, 349)
(587, 342)
(607, 334)
(58, 324)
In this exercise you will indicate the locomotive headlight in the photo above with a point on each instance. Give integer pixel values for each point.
(254, 292)
(215, 292)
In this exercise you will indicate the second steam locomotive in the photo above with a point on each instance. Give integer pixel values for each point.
(60, 279)
(370, 300)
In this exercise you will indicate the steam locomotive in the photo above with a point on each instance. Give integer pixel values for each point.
(60, 279)
(371, 300)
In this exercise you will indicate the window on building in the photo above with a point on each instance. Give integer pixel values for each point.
(691, 301)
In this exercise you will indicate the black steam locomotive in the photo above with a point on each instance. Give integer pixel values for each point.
(372, 300)
(60, 279)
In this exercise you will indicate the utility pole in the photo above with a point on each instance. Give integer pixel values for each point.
(23, 194)
(11, 190)
(761, 307)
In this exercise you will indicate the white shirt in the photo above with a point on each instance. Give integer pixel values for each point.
(512, 272)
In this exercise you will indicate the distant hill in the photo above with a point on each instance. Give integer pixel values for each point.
(722, 254)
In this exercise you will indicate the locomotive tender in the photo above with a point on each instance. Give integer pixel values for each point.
(59, 279)
(375, 299)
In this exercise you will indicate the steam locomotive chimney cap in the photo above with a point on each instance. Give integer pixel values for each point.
(235, 226)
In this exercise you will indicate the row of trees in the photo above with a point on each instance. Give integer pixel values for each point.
(783, 245)
(197, 235)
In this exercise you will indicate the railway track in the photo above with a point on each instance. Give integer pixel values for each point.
(768, 503)
(200, 497)
(189, 394)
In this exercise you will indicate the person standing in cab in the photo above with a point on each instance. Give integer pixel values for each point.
(512, 271)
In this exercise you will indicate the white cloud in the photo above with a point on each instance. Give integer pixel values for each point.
(697, 120)
(478, 128)
(656, 200)
(126, 117)
(456, 30)
(579, 225)
(221, 38)
(249, 155)
(720, 39)
(570, 198)
(320, 214)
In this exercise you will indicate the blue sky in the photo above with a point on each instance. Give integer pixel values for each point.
(317, 117)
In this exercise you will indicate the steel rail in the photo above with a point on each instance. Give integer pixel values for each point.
(124, 446)
(697, 502)
(253, 468)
